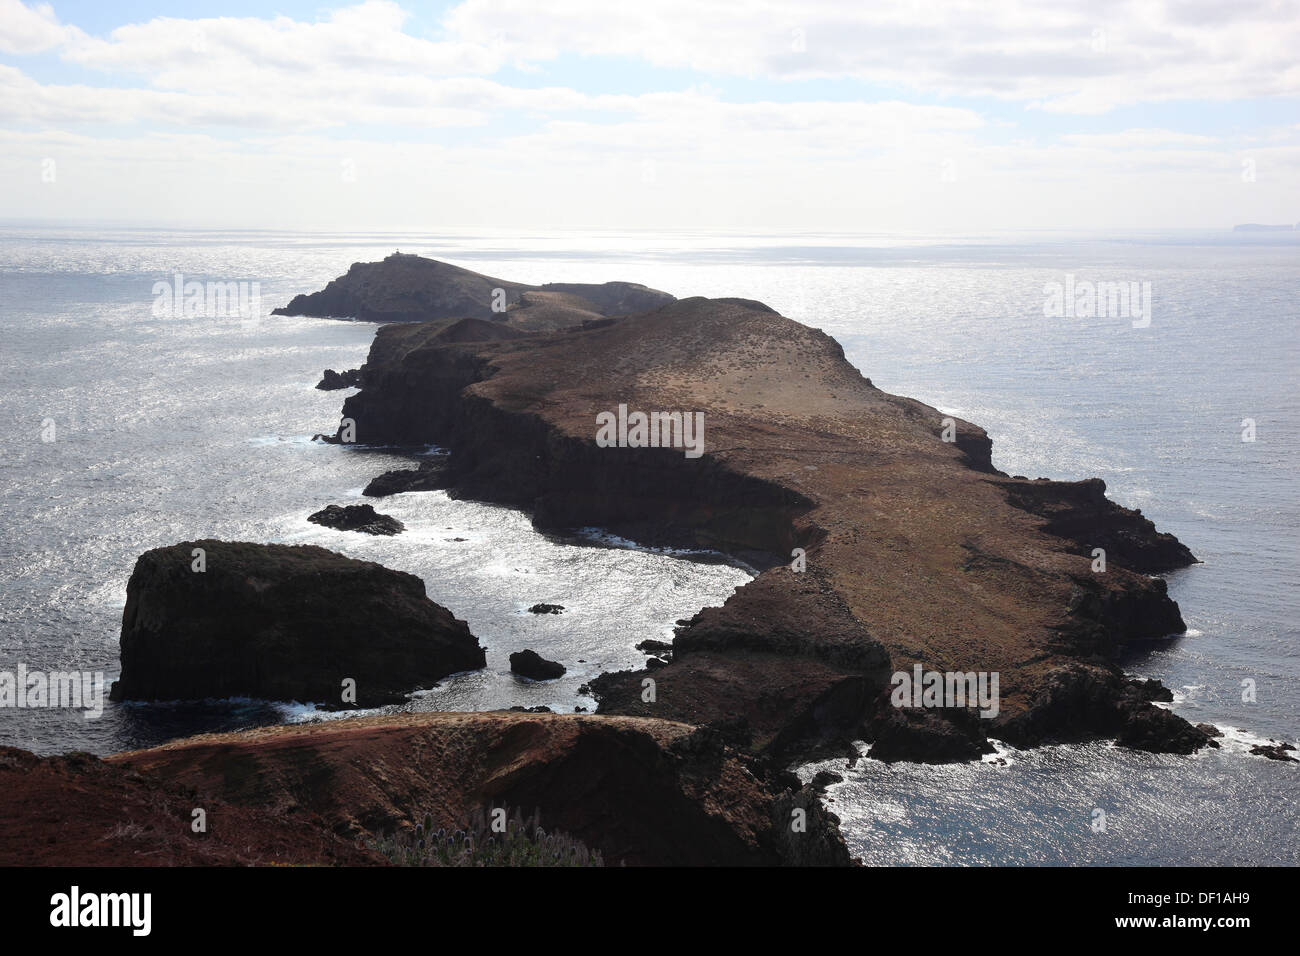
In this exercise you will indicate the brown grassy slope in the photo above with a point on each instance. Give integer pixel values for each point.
(641, 791)
(76, 810)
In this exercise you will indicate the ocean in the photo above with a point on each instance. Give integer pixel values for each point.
(126, 430)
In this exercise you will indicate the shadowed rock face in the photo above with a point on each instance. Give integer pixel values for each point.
(282, 623)
(640, 791)
(918, 550)
(528, 663)
(332, 381)
(409, 288)
(361, 518)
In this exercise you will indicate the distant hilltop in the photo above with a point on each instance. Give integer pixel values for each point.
(1264, 227)
(410, 288)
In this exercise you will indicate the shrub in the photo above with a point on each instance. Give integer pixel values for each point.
(523, 843)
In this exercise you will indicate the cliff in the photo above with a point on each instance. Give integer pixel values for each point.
(282, 623)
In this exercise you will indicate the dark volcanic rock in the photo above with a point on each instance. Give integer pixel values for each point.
(361, 518)
(1274, 751)
(1081, 512)
(1153, 690)
(332, 380)
(429, 476)
(1097, 614)
(1081, 701)
(546, 609)
(1209, 730)
(530, 664)
(784, 654)
(278, 622)
(807, 833)
(928, 736)
(823, 779)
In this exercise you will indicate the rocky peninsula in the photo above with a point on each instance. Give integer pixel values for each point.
(887, 537)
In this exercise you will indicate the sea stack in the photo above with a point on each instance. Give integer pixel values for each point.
(216, 619)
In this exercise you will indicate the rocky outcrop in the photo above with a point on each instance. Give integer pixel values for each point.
(783, 668)
(639, 791)
(1085, 700)
(530, 664)
(216, 619)
(927, 736)
(1275, 751)
(431, 475)
(332, 381)
(1079, 511)
(410, 288)
(916, 549)
(361, 518)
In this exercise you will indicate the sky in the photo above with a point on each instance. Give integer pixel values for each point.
(887, 116)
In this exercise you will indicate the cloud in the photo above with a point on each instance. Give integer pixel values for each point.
(1138, 138)
(1072, 56)
(256, 119)
(33, 29)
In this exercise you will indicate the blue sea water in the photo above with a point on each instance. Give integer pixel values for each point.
(172, 428)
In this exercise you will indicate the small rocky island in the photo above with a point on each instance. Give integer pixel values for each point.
(215, 619)
(363, 518)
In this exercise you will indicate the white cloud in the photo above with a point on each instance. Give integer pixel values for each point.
(33, 29)
(298, 102)
(1070, 56)
(1138, 138)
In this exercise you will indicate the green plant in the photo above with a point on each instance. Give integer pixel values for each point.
(493, 838)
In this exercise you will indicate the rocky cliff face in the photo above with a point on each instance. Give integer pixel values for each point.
(915, 549)
(410, 288)
(282, 623)
(640, 791)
